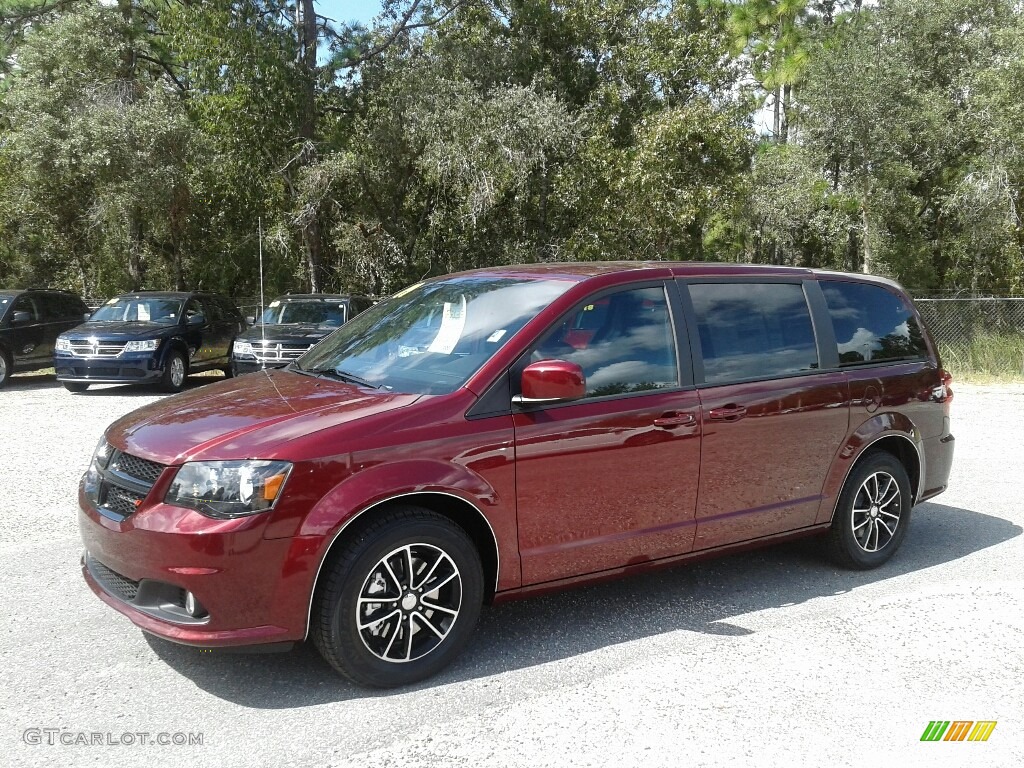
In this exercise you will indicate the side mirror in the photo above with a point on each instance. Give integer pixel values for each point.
(551, 381)
(196, 319)
(250, 319)
(20, 318)
(86, 316)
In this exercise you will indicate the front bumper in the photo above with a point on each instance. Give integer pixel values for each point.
(132, 368)
(238, 367)
(253, 590)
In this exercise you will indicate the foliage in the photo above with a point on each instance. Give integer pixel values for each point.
(150, 144)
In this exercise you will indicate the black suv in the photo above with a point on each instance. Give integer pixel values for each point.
(30, 322)
(290, 326)
(149, 337)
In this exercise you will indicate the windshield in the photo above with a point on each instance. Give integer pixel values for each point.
(304, 312)
(429, 339)
(147, 310)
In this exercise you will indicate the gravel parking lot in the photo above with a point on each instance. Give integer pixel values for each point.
(769, 658)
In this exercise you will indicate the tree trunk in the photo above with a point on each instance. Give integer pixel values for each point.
(865, 247)
(776, 114)
(136, 269)
(312, 237)
(787, 94)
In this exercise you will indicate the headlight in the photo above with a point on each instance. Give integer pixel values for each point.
(149, 345)
(100, 459)
(228, 488)
(243, 348)
(101, 456)
(63, 345)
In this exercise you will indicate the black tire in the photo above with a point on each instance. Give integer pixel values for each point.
(229, 372)
(873, 513)
(395, 644)
(6, 368)
(173, 379)
(75, 386)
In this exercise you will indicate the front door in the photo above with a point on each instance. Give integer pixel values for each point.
(28, 339)
(610, 480)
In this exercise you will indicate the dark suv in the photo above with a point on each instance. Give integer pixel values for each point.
(510, 431)
(149, 337)
(289, 326)
(30, 322)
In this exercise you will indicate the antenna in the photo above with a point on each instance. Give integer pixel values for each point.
(263, 326)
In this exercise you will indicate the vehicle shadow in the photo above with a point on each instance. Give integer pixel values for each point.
(144, 390)
(44, 381)
(700, 597)
(36, 380)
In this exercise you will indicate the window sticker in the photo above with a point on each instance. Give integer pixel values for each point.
(496, 336)
(144, 312)
(453, 320)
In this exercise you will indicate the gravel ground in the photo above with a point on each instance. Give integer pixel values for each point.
(769, 658)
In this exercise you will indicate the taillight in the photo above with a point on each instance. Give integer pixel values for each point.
(944, 392)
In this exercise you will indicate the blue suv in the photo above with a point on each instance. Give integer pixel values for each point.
(149, 337)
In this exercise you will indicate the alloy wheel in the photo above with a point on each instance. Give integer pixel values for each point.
(177, 371)
(877, 508)
(408, 603)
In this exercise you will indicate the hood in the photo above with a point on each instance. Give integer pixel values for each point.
(253, 416)
(307, 333)
(107, 330)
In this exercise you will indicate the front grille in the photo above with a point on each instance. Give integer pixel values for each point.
(97, 372)
(277, 353)
(112, 581)
(100, 349)
(127, 470)
(133, 466)
(121, 501)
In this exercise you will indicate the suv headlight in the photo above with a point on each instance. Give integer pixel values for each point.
(149, 345)
(243, 348)
(228, 488)
(63, 345)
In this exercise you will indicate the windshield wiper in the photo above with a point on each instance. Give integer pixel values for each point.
(343, 376)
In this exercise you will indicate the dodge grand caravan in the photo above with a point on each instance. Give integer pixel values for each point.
(509, 431)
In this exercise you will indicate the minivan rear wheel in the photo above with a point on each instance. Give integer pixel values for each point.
(873, 513)
(400, 599)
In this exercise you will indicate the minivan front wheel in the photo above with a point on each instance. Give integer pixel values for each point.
(6, 367)
(400, 600)
(873, 513)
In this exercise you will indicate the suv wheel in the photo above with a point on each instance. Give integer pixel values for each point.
(873, 513)
(75, 386)
(6, 367)
(175, 371)
(400, 599)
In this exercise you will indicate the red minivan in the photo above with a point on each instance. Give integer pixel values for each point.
(513, 430)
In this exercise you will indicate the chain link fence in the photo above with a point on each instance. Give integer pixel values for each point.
(978, 336)
(957, 321)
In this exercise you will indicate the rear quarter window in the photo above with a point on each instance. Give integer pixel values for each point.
(872, 324)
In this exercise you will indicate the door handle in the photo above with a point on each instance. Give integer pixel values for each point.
(728, 413)
(676, 420)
